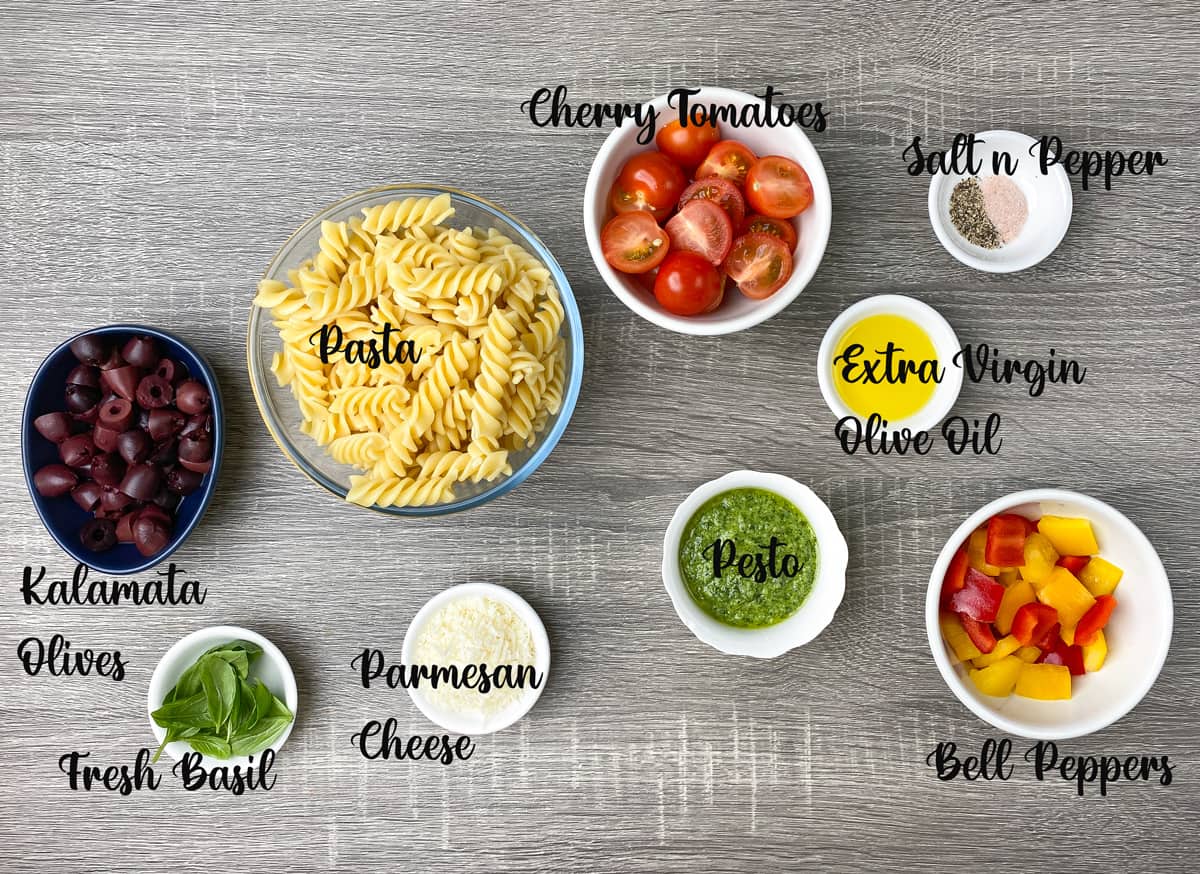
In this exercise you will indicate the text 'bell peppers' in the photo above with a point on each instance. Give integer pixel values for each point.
(1032, 622)
(1074, 563)
(1095, 619)
(1005, 544)
(956, 575)
(979, 632)
(979, 597)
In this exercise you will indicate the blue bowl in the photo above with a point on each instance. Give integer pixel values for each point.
(62, 516)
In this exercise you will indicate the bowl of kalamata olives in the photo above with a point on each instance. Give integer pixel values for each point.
(121, 442)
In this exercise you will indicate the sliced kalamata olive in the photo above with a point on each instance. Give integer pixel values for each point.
(165, 423)
(81, 398)
(166, 499)
(141, 352)
(142, 481)
(90, 349)
(192, 397)
(117, 414)
(78, 450)
(125, 526)
(54, 480)
(157, 512)
(197, 446)
(108, 469)
(123, 380)
(201, 422)
(113, 361)
(106, 439)
(197, 466)
(165, 453)
(84, 374)
(169, 370)
(150, 534)
(55, 427)
(154, 392)
(134, 446)
(87, 495)
(183, 481)
(112, 499)
(99, 535)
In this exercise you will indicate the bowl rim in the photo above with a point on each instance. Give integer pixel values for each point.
(459, 723)
(762, 310)
(206, 493)
(157, 689)
(571, 388)
(957, 684)
(940, 332)
(815, 613)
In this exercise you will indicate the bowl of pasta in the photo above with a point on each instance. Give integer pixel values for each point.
(415, 349)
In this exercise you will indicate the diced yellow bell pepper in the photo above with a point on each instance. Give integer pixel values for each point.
(1067, 633)
(975, 549)
(1066, 595)
(1040, 556)
(1070, 536)
(1044, 682)
(1015, 596)
(1095, 653)
(1000, 678)
(955, 635)
(1100, 576)
(1005, 646)
(1008, 576)
(1029, 654)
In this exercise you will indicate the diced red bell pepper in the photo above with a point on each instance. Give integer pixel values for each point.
(1030, 526)
(1074, 563)
(979, 632)
(1006, 540)
(956, 575)
(1094, 619)
(979, 597)
(1051, 638)
(1033, 622)
(1070, 656)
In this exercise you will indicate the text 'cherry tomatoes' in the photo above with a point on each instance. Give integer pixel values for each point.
(757, 223)
(721, 192)
(778, 187)
(633, 242)
(688, 146)
(701, 227)
(687, 285)
(760, 264)
(728, 159)
(650, 182)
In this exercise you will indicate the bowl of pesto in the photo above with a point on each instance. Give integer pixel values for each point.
(754, 563)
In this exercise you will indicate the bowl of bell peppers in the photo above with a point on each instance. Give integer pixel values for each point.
(1049, 614)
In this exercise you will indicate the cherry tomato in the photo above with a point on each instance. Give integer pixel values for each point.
(720, 191)
(778, 187)
(701, 227)
(757, 223)
(728, 159)
(687, 285)
(687, 146)
(760, 264)
(650, 182)
(633, 242)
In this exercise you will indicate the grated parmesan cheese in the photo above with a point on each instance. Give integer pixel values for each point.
(480, 632)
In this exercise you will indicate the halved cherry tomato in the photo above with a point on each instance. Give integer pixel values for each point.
(721, 192)
(701, 227)
(778, 187)
(687, 146)
(650, 182)
(760, 264)
(757, 223)
(633, 242)
(687, 285)
(728, 159)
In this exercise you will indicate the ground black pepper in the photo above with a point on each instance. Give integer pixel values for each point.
(969, 216)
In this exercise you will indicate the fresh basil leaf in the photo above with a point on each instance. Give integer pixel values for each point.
(247, 709)
(187, 685)
(220, 685)
(266, 732)
(264, 701)
(184, 713)
(167, 738)
(237, 660)
(210, 745)
(252, 650)
(278, 708)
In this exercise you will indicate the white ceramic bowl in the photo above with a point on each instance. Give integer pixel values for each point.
(1048, 198)
(271, 668)
(1138, 634)
(814, 614)
(737, 312)
(469, 723)
(945, 343)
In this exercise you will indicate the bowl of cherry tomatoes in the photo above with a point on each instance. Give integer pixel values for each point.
(713, 228)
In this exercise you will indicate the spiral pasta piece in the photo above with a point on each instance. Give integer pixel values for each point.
(407, 213)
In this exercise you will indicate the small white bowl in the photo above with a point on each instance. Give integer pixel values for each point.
(1047, 196)
(945, 344)
(737, 312)
(271, 668)
(829, 585)
(471, 723)
(1138, 634)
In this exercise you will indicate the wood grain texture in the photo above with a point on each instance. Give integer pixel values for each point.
(152, 158)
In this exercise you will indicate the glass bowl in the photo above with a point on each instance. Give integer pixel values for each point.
(281, 413)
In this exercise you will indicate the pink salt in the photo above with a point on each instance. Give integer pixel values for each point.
(1005, 205)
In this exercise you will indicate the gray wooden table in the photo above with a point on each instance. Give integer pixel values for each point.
(151, 161)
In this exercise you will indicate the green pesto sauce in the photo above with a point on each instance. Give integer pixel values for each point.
(750, 518)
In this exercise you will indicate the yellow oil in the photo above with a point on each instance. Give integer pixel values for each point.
(895, 385)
